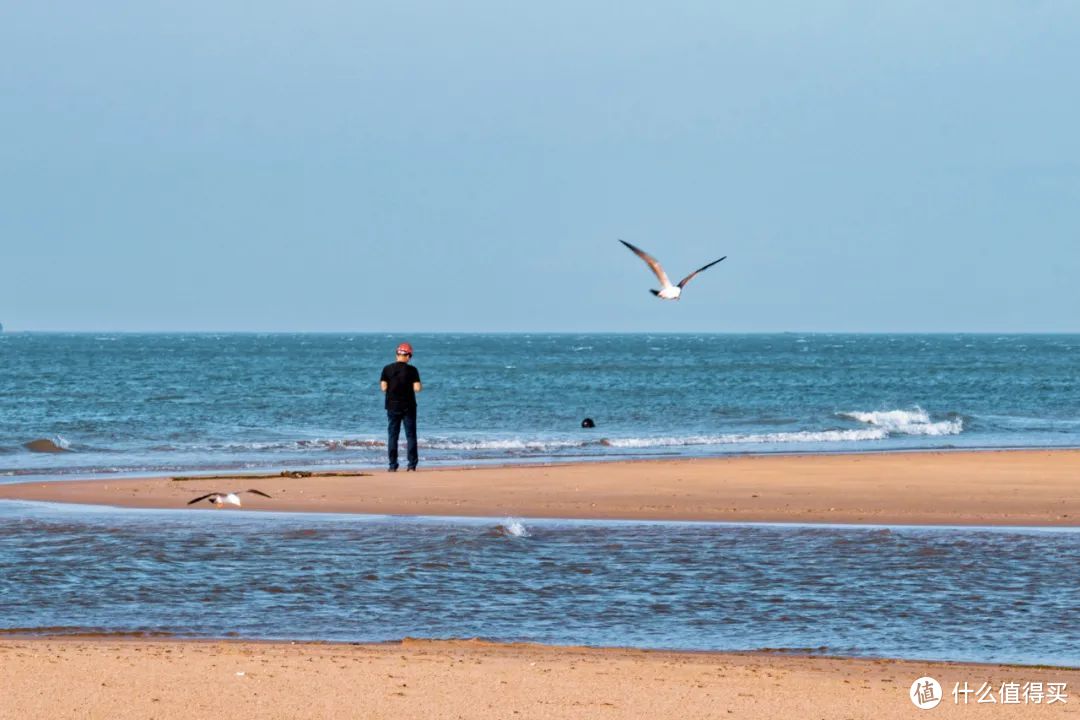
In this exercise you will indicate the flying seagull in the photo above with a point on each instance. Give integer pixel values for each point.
(221, 499)
(667, 291)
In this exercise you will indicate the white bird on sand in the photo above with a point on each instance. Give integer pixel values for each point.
(667, 291)
(221, 499)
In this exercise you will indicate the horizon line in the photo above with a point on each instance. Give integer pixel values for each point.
(7, 331)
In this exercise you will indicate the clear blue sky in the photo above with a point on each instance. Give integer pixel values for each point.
(469, 166)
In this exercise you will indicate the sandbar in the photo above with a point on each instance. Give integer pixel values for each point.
(1011, 487)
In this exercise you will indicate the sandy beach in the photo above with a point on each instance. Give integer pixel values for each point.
(1018, 487)
(162, 679)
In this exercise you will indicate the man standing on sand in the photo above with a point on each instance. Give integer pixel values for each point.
(401, 381)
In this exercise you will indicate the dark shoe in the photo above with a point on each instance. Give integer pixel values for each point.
(391, 469)
(411, 469)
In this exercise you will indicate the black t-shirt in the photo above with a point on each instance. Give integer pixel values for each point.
(399, 378)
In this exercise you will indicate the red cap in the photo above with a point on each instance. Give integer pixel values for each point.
(404, 349)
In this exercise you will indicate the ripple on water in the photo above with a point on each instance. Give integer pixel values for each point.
(900, 592)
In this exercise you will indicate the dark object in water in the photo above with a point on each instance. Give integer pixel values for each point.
(588, 423)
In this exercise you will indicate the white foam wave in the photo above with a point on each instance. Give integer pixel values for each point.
(907, 422)
(278, 445)
(805, 436)
(435, 443)
(877, 425)
(345, 444)
(498, 444)
(514, 528)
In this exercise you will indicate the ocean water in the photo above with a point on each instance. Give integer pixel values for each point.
(83, 405)
(988, 595)
(91, 404)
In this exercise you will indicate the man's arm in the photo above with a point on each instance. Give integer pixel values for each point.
(416, 386)
(383, 385)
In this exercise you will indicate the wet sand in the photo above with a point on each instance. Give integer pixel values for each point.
(1019, 487)
(162, 679)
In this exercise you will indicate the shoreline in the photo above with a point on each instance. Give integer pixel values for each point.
(94, 635)
(1028, 487)
(500, 463)
(137, 678)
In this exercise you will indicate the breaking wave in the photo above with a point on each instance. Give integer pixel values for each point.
(883, 424)
(849, 428)
(878, 425)
(511, 444)
(433, 443)
(272, 445)
(512, 527)
(805, 436)
(55, 444)
(907, 422)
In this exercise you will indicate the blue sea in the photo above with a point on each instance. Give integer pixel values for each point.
(85, 405)
(101, 404)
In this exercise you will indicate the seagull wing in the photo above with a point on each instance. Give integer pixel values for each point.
(652, 263)
(691, 275)
(257, 492)
(202, 497)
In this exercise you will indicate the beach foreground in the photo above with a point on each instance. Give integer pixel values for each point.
(1014, 487)
(135, 678)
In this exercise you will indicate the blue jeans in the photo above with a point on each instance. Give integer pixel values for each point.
(394, 419)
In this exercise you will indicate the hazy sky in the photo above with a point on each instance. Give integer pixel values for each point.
(469, 166)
